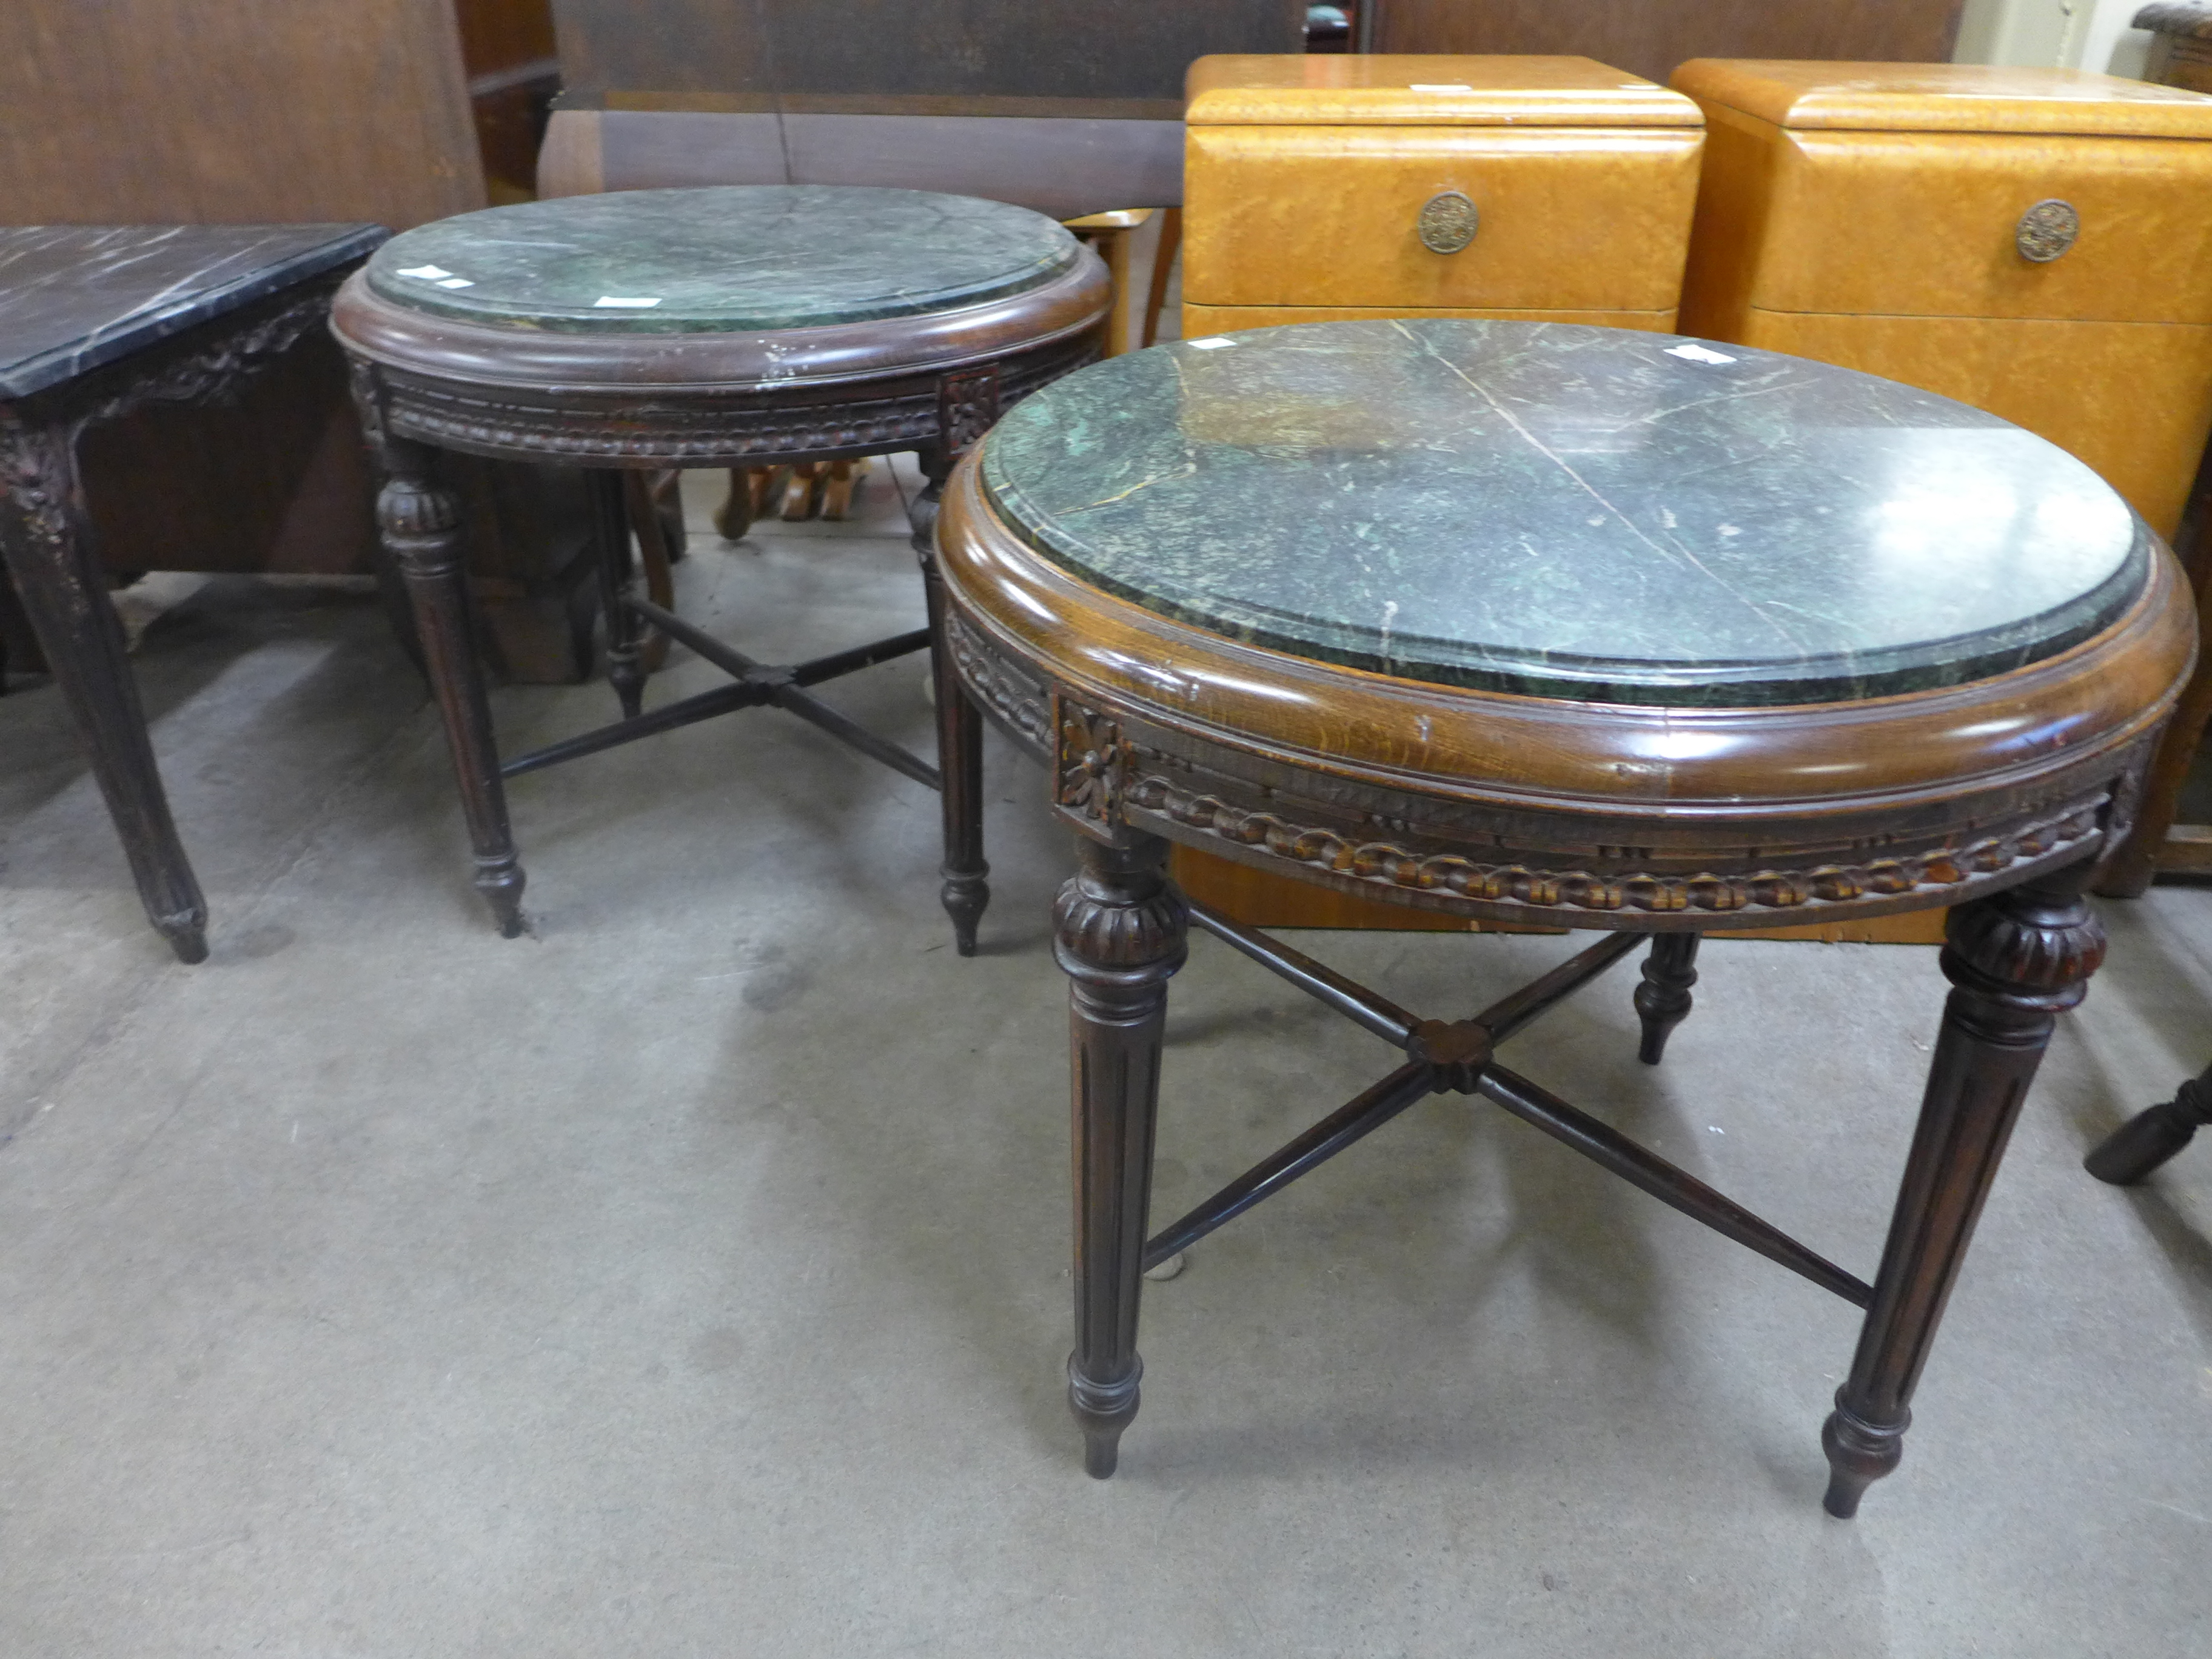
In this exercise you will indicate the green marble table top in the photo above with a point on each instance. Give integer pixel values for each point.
(1568, 511)
(729, 259)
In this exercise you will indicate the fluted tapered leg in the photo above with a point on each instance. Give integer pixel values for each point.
(45, 533)
(2014, 960)
(1662, 1000)
(967, 888)
(421, 522)
(1120, 935)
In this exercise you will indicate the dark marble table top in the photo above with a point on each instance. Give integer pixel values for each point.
(1568, 511)
(722, 259)
(73, 297)
(737, 258)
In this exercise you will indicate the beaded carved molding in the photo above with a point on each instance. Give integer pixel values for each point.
(1388, 865)
(1102, 776)
(701, 425)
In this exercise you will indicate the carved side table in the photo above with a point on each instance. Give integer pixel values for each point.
(95, 322)
(733, 326)
(1575, 627)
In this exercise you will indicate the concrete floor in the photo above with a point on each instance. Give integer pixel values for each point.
(689, 1278)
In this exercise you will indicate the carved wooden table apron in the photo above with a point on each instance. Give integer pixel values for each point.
(746, 327)
(101, 321)
(1548, 624)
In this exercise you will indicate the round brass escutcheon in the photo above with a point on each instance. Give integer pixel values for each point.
(1448, 223)
(2047, 230)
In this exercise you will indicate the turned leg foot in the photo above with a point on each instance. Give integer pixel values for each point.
(1859, 1454)
(1102, 1411)
(967, 888)
(421, 522)
(2014, 960)
(2148, 1139)
(1120, 936)
(1664, 999)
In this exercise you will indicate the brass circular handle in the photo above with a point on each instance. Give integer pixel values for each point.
(2046, 230)
(1447, 222)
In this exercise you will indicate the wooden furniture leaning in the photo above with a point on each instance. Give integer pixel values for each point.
(1580, 627)
(102, 321)
(732, 326)
(2146, 1140)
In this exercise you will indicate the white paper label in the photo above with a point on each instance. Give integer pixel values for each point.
(1692, 352)
(618, 304)
(1211, 343)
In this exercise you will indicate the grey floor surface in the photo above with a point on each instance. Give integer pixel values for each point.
(690, 1277)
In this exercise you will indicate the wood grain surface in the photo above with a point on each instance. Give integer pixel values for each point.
(1650, 37)
(253, 111)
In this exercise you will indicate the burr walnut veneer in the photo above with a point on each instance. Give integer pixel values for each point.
(2035, 242)
(645, 330)
(1879, 216)
(1567, 626)
(1324, 187)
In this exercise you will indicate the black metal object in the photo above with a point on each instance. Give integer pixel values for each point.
(757, 684)
(1458, 1057)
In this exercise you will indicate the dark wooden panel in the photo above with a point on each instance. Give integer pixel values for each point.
(274, 480)
(1650, 37)
(152, 112)
(1000, 48)
(504, 35)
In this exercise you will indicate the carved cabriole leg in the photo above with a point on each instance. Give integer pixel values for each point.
(610, 532)
(967, 888)
(1662, 1000)
(421, 521)
(46, 535)
(2148, 1139)
(2014, 960)
(1120, 935)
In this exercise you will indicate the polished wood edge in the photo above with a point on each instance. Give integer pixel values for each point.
(1378, 89)
(1963, 99)
(1724, 765)
(444, 348)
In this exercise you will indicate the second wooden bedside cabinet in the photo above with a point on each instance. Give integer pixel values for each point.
(2036, 243)
(1328, 188)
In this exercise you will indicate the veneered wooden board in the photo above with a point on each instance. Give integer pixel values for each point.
(150, 111)
(1649, 37)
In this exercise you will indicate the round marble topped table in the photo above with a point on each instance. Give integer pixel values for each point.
(730, 327)
(1570, 626)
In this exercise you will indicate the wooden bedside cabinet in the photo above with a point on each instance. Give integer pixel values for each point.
(2036, 243)
(1326, 188)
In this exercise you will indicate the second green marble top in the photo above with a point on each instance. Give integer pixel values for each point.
(1568, 511)
(735, 258)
